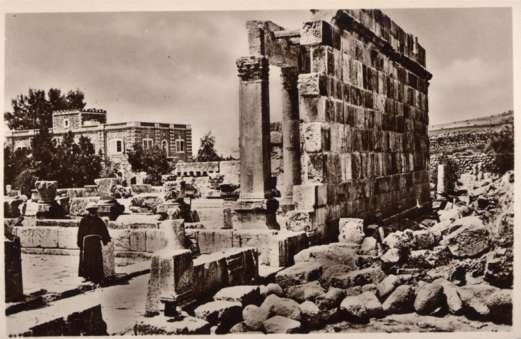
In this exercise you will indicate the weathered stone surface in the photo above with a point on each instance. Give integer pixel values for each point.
(163, 326)
(428, 298)
(279, 324)
(387, 285)
(44, 237)
(469, 239)
(438, 256)
(499, 270)
(245, 294)
(106, 187)
(311, 315)
(399, 239)
(454, 303)
(282, 306)
(46, 190)
(504, 229)
(330, 299)
(298, 221)
(391, 257)
(307, 291)
(351, 230)
(298, 274)
(221, 311)
(369, 246)
(77, 205)
(149, 201)
(274, 289)
(425, 239)
(500, 305)
(253, 316)
(361, 307)
(356, 278)
(400, 301)
(334, 253)
(239, 328)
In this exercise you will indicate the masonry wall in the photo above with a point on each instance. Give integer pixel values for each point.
(363, 100)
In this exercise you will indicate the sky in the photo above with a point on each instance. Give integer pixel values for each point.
(179, 67)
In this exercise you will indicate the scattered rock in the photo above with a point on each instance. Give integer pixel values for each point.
(357, 278)
(452, 298)
(298, 274)
(274, 289)
(429, 297)
(500, 305)
(470, 239)
(391, 257)
(311, 315)
(330, 299)
(351, 230)
(499, 270)
(244, 294)
(160, 325)
(425, 239)
(239, 328)
(279, 324)
(400, 301)
(330, 254)
(399, 240)
(369, 246)
(387, 286)
(253, 316)
(307, 291)
(361, 307)
(438, 256)
(220, 311)
(285, 307)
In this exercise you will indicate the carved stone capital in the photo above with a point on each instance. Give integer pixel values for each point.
(253, 68)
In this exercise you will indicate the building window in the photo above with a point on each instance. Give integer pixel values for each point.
(180, 145)
(148, 143)
(116, 146)
(164, 146)
(66, 123)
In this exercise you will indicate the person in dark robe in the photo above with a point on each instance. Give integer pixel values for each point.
(91, 233)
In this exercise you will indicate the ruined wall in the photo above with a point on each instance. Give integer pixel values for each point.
(363, 105)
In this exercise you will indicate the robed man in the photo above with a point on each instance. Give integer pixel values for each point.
(92, 232)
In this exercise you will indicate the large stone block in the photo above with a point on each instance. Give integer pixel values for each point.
(351, 230)
(67, 237)
(106, 187)
(154, 240)
(77, 205)
(298, 274)
(43, 237)
(214, 240)
(138, 240)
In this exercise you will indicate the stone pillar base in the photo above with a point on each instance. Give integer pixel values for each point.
(43, 210)
(249, 215)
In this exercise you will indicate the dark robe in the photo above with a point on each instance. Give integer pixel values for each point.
(91, 232)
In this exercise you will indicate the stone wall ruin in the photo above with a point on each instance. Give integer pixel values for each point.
(354, 117)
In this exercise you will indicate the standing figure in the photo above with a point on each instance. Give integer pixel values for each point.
(91, 233)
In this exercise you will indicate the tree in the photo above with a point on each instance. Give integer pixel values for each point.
(154, 162)
(34, 110)
(207, 150)
(14, 163)
(76, 164)
(501, 146)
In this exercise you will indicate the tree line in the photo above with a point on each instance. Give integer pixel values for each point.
(73, 163)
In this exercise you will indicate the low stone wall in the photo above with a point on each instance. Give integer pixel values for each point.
(275, 248)
(465, 163)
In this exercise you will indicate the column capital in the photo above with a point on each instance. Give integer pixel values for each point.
(253, 68)
(289, 77)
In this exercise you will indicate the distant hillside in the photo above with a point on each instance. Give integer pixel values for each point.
(483, 124)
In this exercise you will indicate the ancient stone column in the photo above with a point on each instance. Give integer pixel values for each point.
(46, 194)
(440, 185)
(290, 134)
(13, 270)
(254, 141)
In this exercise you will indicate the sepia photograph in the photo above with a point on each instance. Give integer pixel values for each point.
(255, 171)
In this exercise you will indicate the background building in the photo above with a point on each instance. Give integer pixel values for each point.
(114, 139)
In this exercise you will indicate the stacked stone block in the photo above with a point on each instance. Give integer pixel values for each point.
(363, 101)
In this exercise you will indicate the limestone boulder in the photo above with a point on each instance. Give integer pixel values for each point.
(331, 299)
(369, 246)
(222, 312)
(284, 307)
(361, 307)
(392, 257)
(280, 324)
(504, 229)
(243, 294)
(425, 239)
(385, 287)
(298, 221)
(351, 230)
(77, 205)
(399, 240)
(253, 317)
(161, 326)
(311, 316)
(329, 254)
(401, 300)
(307, 291)
(499, 270)
(429, 297)
(370, 275)
(470, 239)
(452, 298)
(149, 201)
(299, 273)
(438, 256)
(273, 288)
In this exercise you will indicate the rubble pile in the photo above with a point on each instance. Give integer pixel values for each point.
(458, 267)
